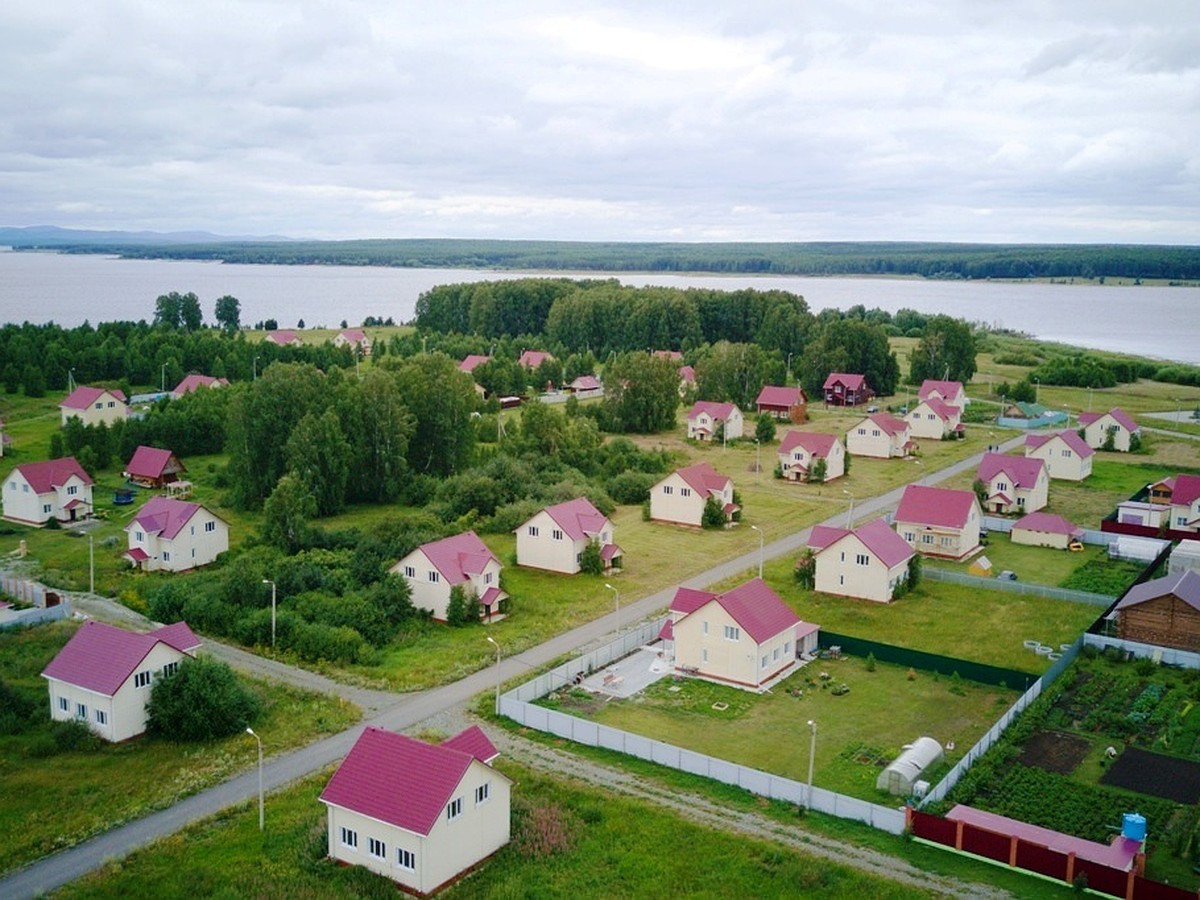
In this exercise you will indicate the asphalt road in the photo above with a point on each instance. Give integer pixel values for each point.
(407, 711)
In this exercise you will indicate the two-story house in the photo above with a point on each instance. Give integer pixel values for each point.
(195, 382)
(782, 402)
(847, 389)
(1067, 456)
(799, 451)
(867, 562)
(94, 405)
(939, 521)
(682, 495)
(707, 419)
(934, 419)
(354, 338)
(1115, 424)
(949, 392)
(172, 535)
(881, 436)
(35, 493)
(556, 537)
(1014, 484)
(434, 569)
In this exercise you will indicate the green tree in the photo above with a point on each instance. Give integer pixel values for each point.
(946, 351)
(979, 486)
(850, 345)
(714, 514)
(641, 393)
(441, 400)
(287, 512)
(378, 426)
(34, 382)
(168, 312)
(764, 428)
(228, 313)
(736, 373)
(806, 569)
(590, 561)
(202, 701)
(190, 315)
(461, 610)
(319, 455)
(818, 471)
(914, 572)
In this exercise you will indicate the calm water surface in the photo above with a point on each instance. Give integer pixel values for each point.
(42, 287)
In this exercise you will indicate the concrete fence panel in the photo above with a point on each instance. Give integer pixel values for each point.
(641, 747)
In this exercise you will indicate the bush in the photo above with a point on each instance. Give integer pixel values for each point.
(202, 701)
(631, 487)
(590, 561)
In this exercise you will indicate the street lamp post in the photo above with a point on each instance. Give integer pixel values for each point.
(164, 378)
(850, 514)
(91, 565)
(812, 755)
(272, 584)
(261, 810)
(617, 598)
(497, 646)
(760, 548)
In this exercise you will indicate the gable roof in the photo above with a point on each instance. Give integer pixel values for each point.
(1185, 586)
(1119, 415)
(888, 423)
(773, 395)
(49, 474)
(941, 507)
(817, 444)
(459, 557)
(944, 389)
(1047, 523)
(688, 374)
(472, 740)
(720, 412)
(149, 462)
(398, 780)
(577, 518)
(1185, 490)
(101, 657)
(876, 536)
(688, 600)
(849, 381)
(1022, 471)
(282, 337)
(531, 359)
(353, 335)
(703, 478)
(164, 516)
(940, 408)
(757, 610)
(1068, 437)
(84, 396)
(193, 382)
(472, 362)
(673, 355)
(586, 383)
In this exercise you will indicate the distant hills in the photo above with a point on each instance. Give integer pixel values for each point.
(927, 260)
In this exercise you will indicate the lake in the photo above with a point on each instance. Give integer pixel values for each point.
(1161, 322)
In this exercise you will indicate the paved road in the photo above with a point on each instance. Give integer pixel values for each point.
(407, 711)
(1169, 433)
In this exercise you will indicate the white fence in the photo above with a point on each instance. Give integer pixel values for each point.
(1167, 656)
(517, 706)
(1016, 587)
(21, 618)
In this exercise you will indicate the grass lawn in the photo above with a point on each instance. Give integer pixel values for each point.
(616, 847)
(858, 732)
(57, 801)
(1035, 565)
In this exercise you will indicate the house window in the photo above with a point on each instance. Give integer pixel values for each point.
(1020, 502)
(533, 531)
(927, 539)
(704, 627)
(210, 527)
(733, 633)
(667, 489)
(99, 406)
(1181, 521)
(406, 859)
(764, 661)
(139, 536)
(101, 717)
(862, 431)
(72, 490)
(775, 653)
(787, 647)
(487, 577)
(454, 809)
(862, 559)
(843, 559)
(1001, 486)
(482, 793)
(410, 572)
(909, 536)
(111, 404)
(170, 669)
(947, 541)
(64, 705)
(703, 656)
(81, 711)
(875, 432)
(166, 556)
(376, 848)
(556, 534)
(434, 577)
(349, 838)
(46, 508)
(141, 679)
(685, 492)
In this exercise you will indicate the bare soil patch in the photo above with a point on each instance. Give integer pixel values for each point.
(1156, 775)
(1054, 751)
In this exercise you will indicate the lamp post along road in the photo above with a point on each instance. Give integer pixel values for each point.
(760, 548)
(261, 809)
(812, 756)
(272, 584)
(91, 565)
(497, 646)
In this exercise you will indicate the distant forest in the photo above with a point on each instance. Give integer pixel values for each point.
(928, 260)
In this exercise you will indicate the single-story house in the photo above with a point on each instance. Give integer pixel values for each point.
(1116, 422)
(94, 405)
(1066, 455)
(355, 339)
(844, 389)
(173, 536)
(556, 537)
(194, 382)
(939, 521)
(1021, 414)
(153, 468)
(1017, 484)
(586, 386)
(472, 362)
(682, 495)
(800, 450)
(420, 814)
(935, 419)
(35, 493)
(1043, 529)
(284, 338)
(706, 416)
(746, 637)
(780, 401)
(879, 435)
(1163, 611)
(950, 392)
(102, 676)
(433, 569)
(866, 562)
(531, 359)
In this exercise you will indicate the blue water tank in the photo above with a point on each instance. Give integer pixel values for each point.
(1133, 827)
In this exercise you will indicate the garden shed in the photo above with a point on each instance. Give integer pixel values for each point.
(907, 768)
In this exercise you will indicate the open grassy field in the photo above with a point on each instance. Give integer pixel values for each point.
(858, 732)
(1036, 565)
(52, 802)
(616, 848)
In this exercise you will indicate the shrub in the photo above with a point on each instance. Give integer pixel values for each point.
(460, 608)
(631, 487)
(714, 514)
(590, 561)
(202, 701)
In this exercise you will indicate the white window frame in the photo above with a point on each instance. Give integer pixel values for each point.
(733, 633)
(483, 793)
(64, 705)
(454, 809)
(101, 717)
(376, 849)
(141, 679)
(406, 860)
(349, 838)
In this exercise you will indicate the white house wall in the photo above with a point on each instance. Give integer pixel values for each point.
(22, 504)
(674, 500)
(1061, 461)
(106, 408)
(543, 550)
(839, 571)
(711, 654)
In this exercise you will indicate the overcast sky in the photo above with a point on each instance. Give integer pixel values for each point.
(991, 120)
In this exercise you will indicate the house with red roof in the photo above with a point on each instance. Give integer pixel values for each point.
(747, 637)
(1043, 529)
(434, 569)
(94, 405)
(799, 451)
(934, 419)
(586, 386)
(283, 338)
(672, 355)
(556, 537)
(420, 814)
(950, 392)
(782, 402)
(687, 380)
(867, 562)
(681, 496)
(153, 467)
(1182, 494)
(846, 389)
(354, 338)
(939, 521)
(707, 416)
(1067, 456)
(35, 493)
(195, 382)
(103, 675)
(172, 535)
(531, 359)
(1015, 484)
(1164, 612)
(473, 361)
(1116, 423)
(881, 436)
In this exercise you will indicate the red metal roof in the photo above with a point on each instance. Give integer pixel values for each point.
(472, 740)
(353, 335)
(848, 381)
(101, 657)
(577, 518)
(876, 536)
(149, 462)
(282, 338)
(1022, 471)
(940, 507)
(758, 610)
(889, 424)
(164, 516)
(1119, 416)
(492, 596)
(1047, 523)
(720, 412)
(703, 478)
(531, 359)
(84, 396)
(940, 408)
(787, 397)
(1185, 490)
(472, 362)
(586, 383)
(688, 374)
(688, 600)
(816, 444)
(459, 557)
(944, 389)
(50, 474)
(137, 554)
(194, 382)
(1068, 437)
(610, 551)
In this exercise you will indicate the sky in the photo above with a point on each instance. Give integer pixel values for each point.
(963, 120)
